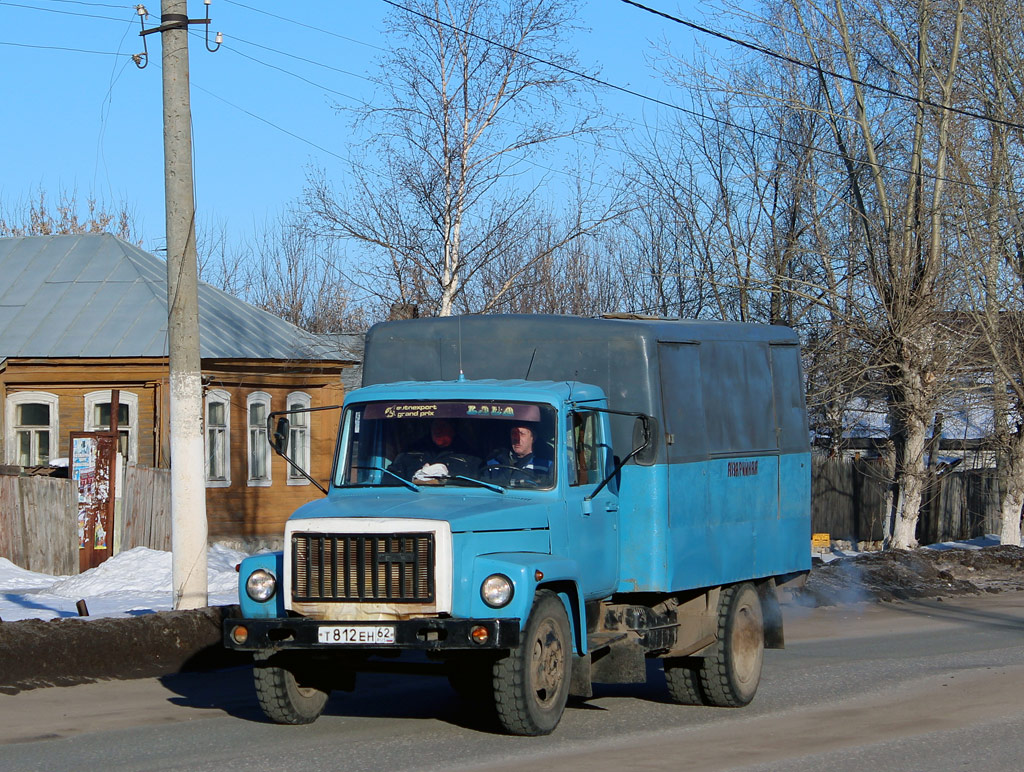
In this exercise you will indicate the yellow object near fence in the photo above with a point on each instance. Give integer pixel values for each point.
(821, 541)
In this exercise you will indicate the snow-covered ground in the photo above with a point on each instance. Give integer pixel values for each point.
(134, 582)
(139, 581)
(971, 544)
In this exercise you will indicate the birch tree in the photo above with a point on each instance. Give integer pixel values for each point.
(471, 92)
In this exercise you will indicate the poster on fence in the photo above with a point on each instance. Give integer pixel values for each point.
(92, 456)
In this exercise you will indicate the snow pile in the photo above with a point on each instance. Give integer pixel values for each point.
(140, 571)
(133, 582)
(13, 577)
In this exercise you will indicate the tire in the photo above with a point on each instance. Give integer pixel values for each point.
(283, 697)
(531, 685)
(729, 679)
(683, 681)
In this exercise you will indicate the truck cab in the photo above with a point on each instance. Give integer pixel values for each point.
(516, 534)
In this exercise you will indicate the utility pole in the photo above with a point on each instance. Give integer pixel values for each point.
(188, 484)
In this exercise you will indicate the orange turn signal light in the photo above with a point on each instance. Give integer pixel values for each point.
(479, 634)
(239, 634)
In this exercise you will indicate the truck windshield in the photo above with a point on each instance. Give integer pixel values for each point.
(497, 445)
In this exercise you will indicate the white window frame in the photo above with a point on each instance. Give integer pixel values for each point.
(300, 455)
(11, 412)
(94, 398)
(217, 395)
(257, 397)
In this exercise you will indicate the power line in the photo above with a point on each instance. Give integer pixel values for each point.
(314, 62)
(62, 48)
(693, 113)
(818, 69)
(289, 72)
(519, 159)
(301, 24)
(96, 5)
(63, 13)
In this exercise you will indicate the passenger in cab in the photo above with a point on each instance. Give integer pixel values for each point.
(442, 458)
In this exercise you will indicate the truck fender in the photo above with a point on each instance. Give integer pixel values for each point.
(273, 608)
(560, 575)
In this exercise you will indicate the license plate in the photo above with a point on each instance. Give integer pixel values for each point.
(374, 635)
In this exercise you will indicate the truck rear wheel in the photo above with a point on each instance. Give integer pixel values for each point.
(283, 697)
(729, 679)
(531, 685)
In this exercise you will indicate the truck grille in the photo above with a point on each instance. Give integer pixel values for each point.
(358, 568)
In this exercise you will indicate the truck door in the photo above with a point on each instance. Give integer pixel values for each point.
(592, 525)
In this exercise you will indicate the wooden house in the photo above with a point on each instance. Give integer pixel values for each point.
(83, 315)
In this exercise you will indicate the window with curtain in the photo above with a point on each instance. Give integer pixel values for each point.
(218, 439)
(32, 430)
(257, 410)
(299, 438)
(97, 419)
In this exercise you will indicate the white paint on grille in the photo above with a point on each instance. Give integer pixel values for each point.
(442, 531)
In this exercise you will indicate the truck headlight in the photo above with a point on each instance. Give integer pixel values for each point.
(496, 590)
(261, 585)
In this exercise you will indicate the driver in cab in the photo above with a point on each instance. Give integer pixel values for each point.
(521, 465)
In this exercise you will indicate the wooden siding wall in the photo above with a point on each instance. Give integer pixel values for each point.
(71, 416)
(243, 510)
(38, 524)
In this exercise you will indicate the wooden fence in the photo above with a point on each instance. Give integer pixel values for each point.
(39, 518)
(146, 509)
(848, 502)
(38, 515)
(38, 524)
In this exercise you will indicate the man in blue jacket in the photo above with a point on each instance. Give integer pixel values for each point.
(521, 465)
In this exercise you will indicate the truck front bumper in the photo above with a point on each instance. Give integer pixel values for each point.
(428, 634)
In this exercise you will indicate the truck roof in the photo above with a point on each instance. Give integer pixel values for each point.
(618, 354)
(716, 387)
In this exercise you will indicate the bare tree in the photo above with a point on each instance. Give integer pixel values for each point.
(35, 216)
(891, 156)
(295, 274)
(992, 232)
(822, 202)
(472, 91)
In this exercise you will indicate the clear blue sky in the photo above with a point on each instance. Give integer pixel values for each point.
(92, 122)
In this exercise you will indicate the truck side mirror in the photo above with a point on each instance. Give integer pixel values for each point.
(279, 436)
(649, 454)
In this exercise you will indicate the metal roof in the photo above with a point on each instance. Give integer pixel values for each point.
(95, 295)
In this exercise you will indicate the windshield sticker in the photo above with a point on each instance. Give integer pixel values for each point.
(505, 411)
(402, 410)
(410, 411)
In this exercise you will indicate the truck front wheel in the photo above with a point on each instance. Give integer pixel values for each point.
(531, 685)
(284, 698)
(730, 677)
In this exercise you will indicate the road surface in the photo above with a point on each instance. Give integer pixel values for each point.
(927, 685)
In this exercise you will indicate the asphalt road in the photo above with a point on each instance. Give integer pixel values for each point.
(923, 685)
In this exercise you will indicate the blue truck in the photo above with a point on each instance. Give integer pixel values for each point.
(534, 504)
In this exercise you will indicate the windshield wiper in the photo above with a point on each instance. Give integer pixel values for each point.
(490, 486)
(407, 483)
